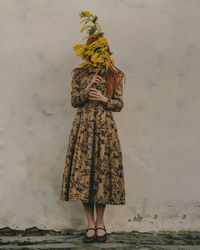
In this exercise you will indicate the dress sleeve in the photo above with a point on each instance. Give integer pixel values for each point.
(115, 103)
(78, 93)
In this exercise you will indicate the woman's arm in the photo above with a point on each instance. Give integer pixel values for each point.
(115, 103)
(78, 94)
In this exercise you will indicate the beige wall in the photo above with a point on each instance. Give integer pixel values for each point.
(156, 44)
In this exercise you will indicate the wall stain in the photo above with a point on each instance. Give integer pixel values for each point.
(184, 216)
(46, 113)
(155, 217)
(138, 218)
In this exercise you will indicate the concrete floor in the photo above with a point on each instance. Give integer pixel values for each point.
(34, 238)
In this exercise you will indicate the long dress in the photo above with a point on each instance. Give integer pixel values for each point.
(93, 170)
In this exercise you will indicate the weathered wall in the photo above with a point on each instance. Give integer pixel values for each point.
(156, 44)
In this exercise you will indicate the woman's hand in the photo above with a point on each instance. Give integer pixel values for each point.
(96, 79)
(97, 95)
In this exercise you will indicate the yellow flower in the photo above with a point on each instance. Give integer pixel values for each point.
(85, 63)
(85, 27)
(84, 20)
(79, 48)
(97, 50)
(112, 60)
(85, 37)
(86, 13)
(98, 25)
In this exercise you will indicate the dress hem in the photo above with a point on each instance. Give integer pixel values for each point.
(79, 200)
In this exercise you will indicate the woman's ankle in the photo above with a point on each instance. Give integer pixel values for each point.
(99, 222)
(91, 224)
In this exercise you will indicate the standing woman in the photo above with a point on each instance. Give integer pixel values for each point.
(93, 172)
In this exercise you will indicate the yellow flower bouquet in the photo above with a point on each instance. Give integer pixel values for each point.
(96, 55)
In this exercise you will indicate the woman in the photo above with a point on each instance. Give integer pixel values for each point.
(93, 171)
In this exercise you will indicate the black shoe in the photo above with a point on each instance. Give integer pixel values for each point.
(101, 238)
(89, 239)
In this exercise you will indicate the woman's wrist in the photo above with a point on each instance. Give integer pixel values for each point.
(105, 100)
(87, 89)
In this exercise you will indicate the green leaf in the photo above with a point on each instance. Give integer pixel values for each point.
(92, 30)
(95, 19)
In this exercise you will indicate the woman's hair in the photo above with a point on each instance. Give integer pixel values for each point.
(113, 76)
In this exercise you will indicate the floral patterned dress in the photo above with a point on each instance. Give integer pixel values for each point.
(93, 170)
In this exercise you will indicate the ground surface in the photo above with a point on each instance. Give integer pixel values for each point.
(34, 238)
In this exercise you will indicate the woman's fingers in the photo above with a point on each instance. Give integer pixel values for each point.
(96, 81)
(97, 78)
(94, 92)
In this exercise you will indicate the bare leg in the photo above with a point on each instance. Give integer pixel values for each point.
(100, 208)
(89, 212)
